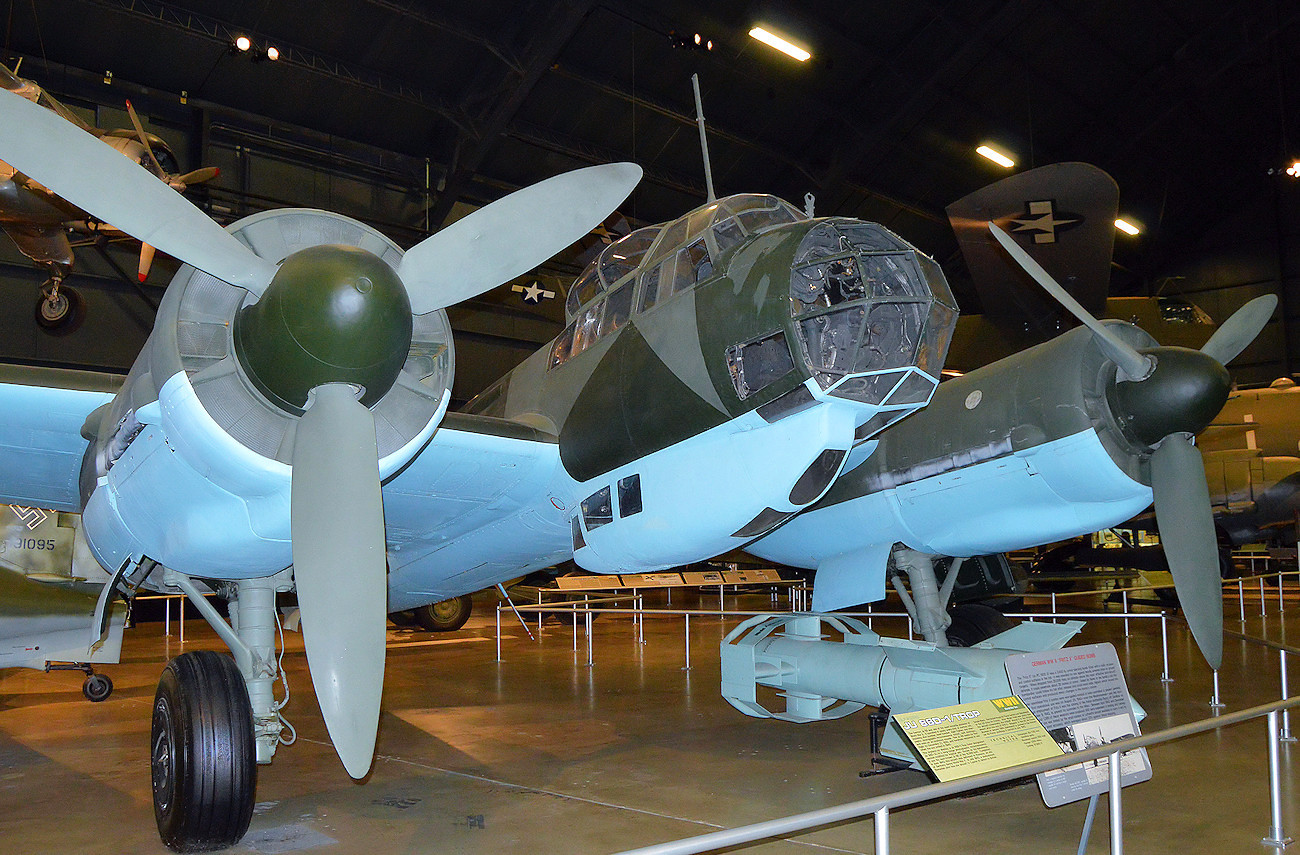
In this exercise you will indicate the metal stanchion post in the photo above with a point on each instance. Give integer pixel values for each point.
(167, 616)
(1276, 836)
(498, 632)
(1164, 647)
(575, 626)
(1116, 808)
(640, 626)
(1286, 714)
(540, 615)
(1280, 603)
(1053, 607)
(590, 661)
(1215, 703)
(1241, 599)
(688, 643)
(882, 831)
(1124, 598)
(1263, 602)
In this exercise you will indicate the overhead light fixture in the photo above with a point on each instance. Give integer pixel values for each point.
(696, 42)
(1127, 227)
(773, 40)
(242, 44)
(270, 52)
(996, 156)
(1294, 169)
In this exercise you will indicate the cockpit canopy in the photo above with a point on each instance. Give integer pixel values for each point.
(869, 311)
(671, 258)
(696, 237)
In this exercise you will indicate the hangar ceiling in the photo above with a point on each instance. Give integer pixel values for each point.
(1190, 105)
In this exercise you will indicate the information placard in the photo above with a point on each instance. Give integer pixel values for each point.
(1080, 696)
(981, 736)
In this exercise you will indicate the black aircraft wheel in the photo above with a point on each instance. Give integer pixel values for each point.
(445, 616)
(60, 314)
(402, 618)
(203, 758)
(976, 622)
(97, 688)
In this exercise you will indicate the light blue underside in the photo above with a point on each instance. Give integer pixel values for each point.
(1050, 492)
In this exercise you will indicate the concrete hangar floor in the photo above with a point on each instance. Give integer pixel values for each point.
(540, 753)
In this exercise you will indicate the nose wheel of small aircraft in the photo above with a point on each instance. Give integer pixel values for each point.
(59, 309)
(97, 688)
(202, 755)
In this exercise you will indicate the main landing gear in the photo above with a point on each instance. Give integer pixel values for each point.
(202, 756)
(215, 718)
(60, 309)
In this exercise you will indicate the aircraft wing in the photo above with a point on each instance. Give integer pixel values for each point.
(42, 411)
(484, 501)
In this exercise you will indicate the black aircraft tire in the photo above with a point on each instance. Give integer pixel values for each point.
(63, 316)
(97, 688)
(976, 622)
(445, 616)
(203, 758)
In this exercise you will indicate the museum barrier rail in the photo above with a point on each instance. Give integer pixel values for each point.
(880, 807)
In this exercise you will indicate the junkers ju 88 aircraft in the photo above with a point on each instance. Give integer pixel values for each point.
(285, 427)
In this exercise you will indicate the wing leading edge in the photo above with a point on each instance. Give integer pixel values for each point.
(486, 500)
(42, 413)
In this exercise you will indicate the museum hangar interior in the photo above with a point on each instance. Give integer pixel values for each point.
(408, 116)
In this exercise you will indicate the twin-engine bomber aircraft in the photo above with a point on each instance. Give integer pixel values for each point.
(285, 427)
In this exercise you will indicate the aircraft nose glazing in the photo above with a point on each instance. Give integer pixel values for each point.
(1182, 395)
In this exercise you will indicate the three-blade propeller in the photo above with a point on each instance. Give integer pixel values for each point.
(336, 508)
(1165, 395)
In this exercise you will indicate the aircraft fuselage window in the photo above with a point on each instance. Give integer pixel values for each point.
(584, 290)
(622, 256)
(756, 365)
(758, 219)
(618, 305)
(727, 234)
(562, 347)
(649, 288)
(597, 509)
(693, 266)
(586, 328)
(629, 495)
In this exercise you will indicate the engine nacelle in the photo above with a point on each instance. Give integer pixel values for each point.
(191, 466)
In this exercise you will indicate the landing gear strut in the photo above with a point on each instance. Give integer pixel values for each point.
(59, 309)
(215, 718)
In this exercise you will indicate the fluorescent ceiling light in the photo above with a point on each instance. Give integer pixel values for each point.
(996, 156)
(1126, 227)
(773, 40)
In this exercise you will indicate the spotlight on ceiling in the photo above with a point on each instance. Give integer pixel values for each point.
(242, 44)
(773, 40)
(996, 156)
(694, 42)
(1128, 227)
(270, 52)
(1294, 169)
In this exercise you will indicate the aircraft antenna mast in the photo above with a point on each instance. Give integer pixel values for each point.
(704, 143)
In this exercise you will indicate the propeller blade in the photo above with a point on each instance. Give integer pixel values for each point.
(1133, 365)
(1186, 523)
(197, 176)
(146, 262)
(144, 139)
(99, 180)
(1240, 330)
(339, 566)
(512, 235)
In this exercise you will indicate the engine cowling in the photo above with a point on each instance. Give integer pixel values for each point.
(218, 384)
